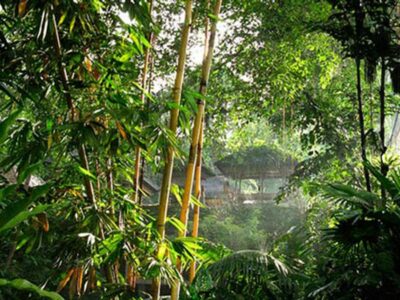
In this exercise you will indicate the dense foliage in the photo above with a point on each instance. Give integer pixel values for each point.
(90, 118)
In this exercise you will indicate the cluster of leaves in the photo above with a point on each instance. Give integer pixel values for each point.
(347, 249)
(243, 274)
(256, 227)
(357, 253)
(71, 116)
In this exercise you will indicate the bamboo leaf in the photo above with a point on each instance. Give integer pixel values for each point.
(6, 124)
(177, 193)
(124, 58)
(22, 8)
(24, 173)
(176, 223)
(62, 19)
(196, 201)
(26, 215)
(25, 285)
(87, 173)
(72, 24)
(65, 280)
(15, 212)
(122, 131)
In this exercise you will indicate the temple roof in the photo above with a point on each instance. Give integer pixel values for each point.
(257, 163)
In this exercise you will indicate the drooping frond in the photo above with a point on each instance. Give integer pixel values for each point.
(251, 273)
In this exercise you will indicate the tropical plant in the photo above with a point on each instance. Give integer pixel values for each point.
(246, 274)
(361, 248)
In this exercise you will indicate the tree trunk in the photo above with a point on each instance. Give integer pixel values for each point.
(169, 163)
(384, 167)
(359, 19)
(362, 126)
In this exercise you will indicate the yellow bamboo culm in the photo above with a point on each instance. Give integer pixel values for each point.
(169, 163)
(197, 173)
(197, 193)
(195, 138)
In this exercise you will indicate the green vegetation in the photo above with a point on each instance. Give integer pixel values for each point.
(134, 165)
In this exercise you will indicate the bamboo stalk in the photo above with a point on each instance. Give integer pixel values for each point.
(198, 191)
(130, 274)
(110, 183)
(197, 128)
(81, 148)
(197, 184)
(138, 150)
(64, 80)
(169, 164)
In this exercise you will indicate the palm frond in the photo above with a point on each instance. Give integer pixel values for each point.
(247, 273)
(347, 195)
(386, 183)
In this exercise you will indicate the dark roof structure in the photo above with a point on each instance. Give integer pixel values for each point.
(257, 163)
(150, 187)
(179, 173)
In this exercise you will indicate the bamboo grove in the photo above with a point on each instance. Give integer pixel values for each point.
(107, 106)
(296, 101)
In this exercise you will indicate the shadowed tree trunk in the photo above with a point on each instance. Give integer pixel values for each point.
(359, 18)
(384, 167)
(362, 126)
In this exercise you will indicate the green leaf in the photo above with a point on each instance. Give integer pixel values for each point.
(72, 24)
(15, 212)
(124, 58)
(62, 19)
(8, 190)
(176, 223)
(384, 181)
(7, 91)
(196, 201)
(25, 215)
(176, 191)
(6, 124)
(25, 285)
(213, 17)
(28, 171)
(87, 173)
(342, 192)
